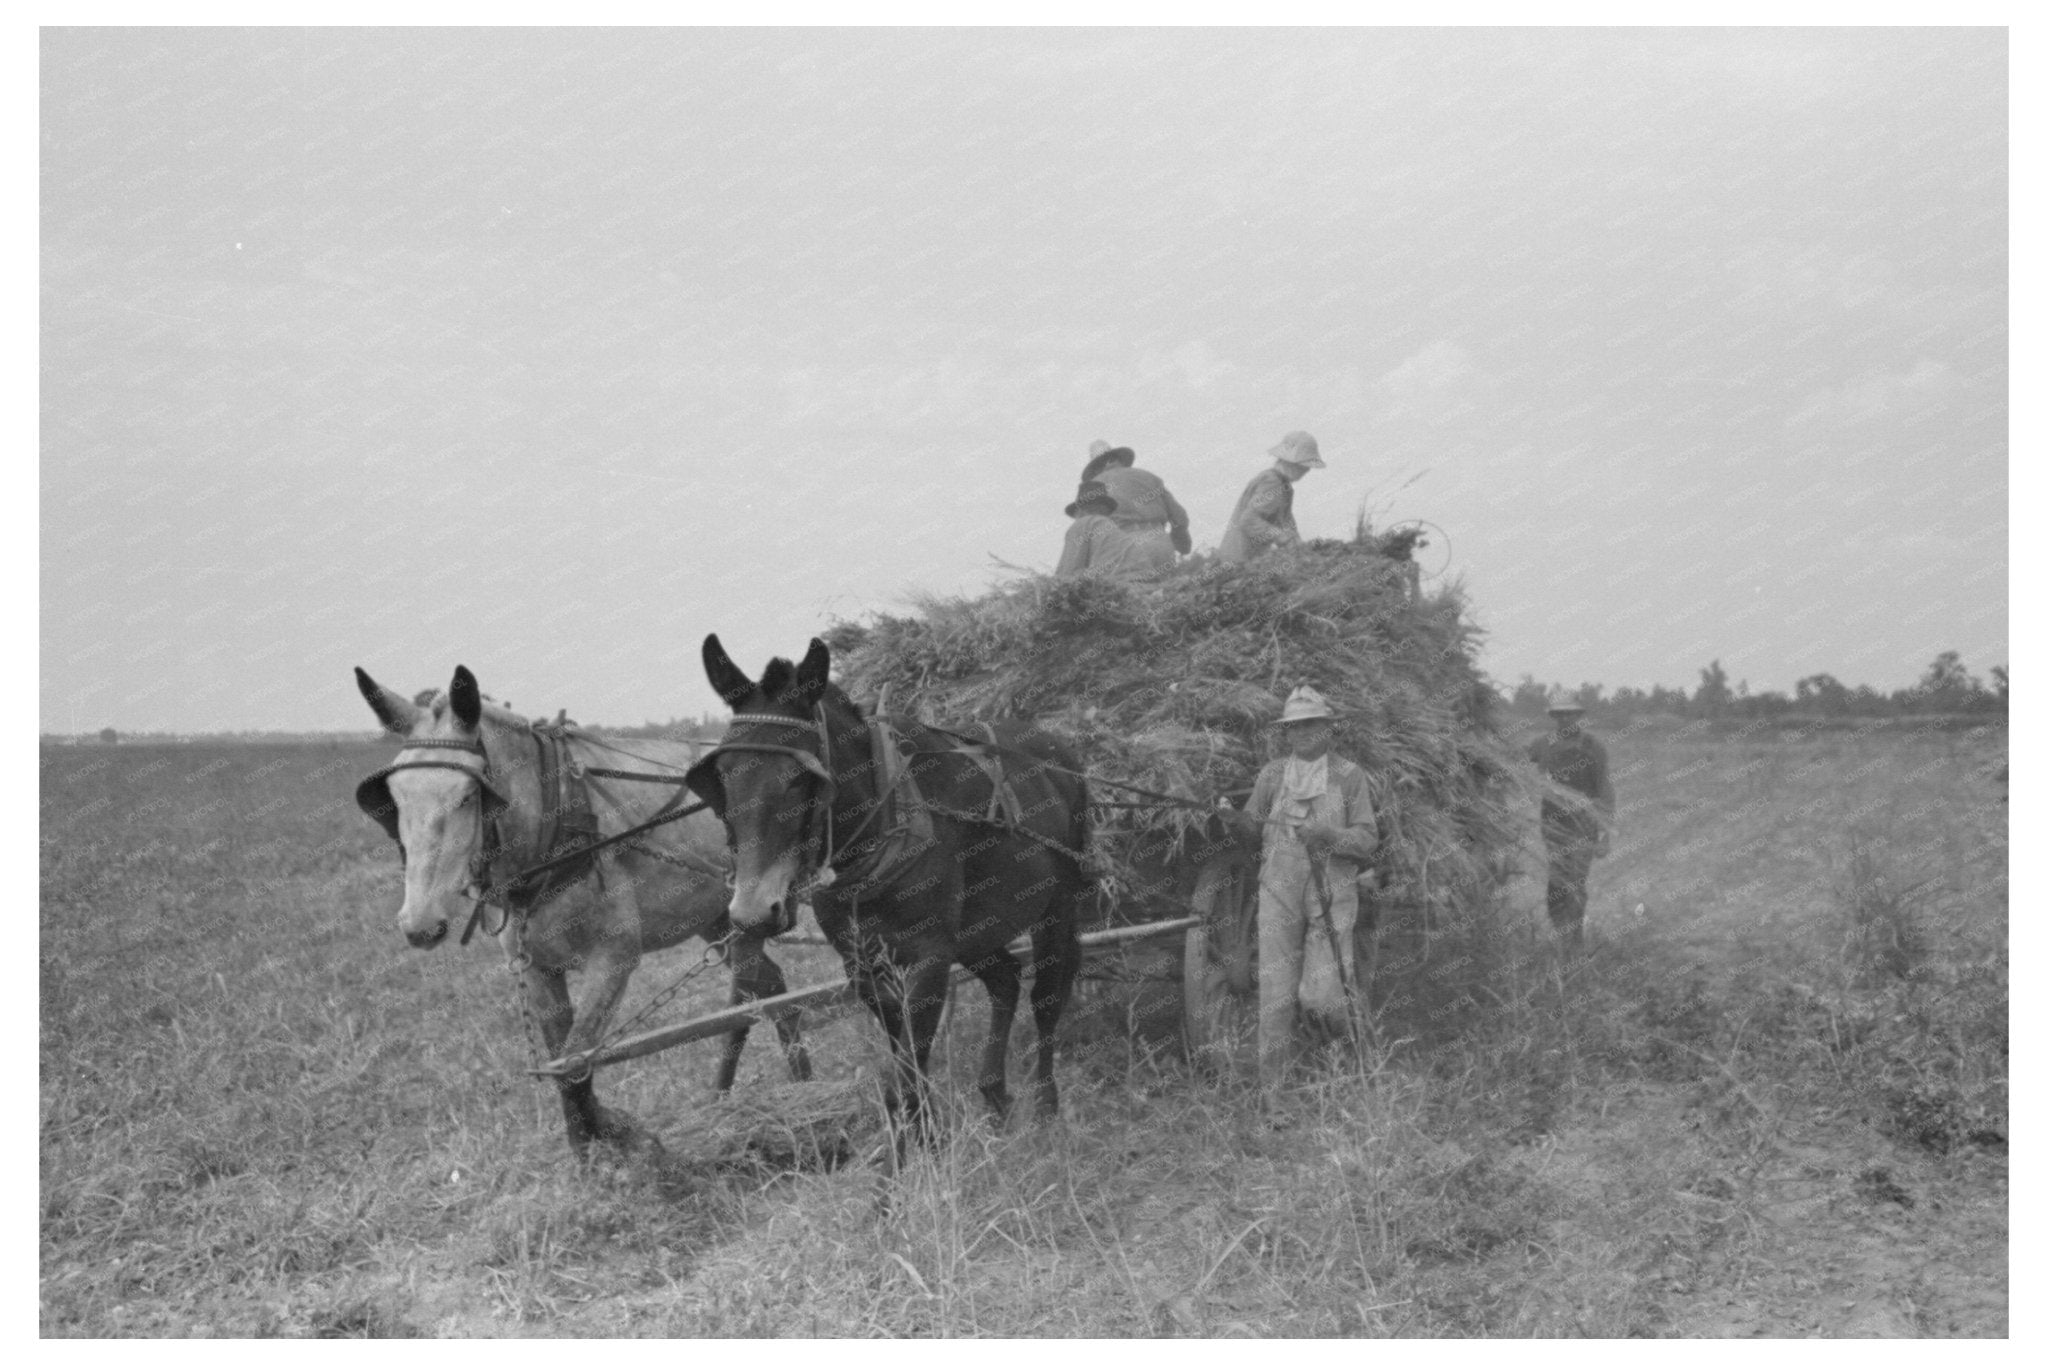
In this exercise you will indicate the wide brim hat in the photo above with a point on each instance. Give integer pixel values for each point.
(1091, 495)
(1305, 703)
(1298, 447)
(1105, 459)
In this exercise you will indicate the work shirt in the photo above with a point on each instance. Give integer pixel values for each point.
(1092, 541)
(1143, 502)
(1343, 805)
(1264, 517)
(1097, 545)
(1580, 764)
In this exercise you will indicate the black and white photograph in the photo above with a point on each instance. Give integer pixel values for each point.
(1089, 681)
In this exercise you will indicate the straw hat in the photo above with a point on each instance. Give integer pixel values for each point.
(1298, 447)
(1305, 703)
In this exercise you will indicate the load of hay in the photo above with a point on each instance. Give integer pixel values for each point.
(1174, 686)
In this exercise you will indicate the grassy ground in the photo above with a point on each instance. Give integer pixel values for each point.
(1770, 1100)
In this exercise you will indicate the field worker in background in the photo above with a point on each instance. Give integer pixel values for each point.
(1143, 506)
(1317, 831)
(1574, 832)
(1093, 540)
(1265, 513)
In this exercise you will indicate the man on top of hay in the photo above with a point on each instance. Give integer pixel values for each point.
(1265, 511)
(1143, 506)
(1318, 829)
(1097, 545)
(1574, 832)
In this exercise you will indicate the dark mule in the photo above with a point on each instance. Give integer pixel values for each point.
(478, 796)
(912, 853)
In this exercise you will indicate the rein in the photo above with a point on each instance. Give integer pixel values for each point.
(1157, 797)
(820, 766)
(496, 803)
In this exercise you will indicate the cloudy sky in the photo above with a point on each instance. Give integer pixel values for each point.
(549, 352)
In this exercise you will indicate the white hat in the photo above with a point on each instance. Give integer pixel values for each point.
(1305, 703)
(1298, 447)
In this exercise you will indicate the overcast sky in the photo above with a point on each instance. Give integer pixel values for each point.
(549, 352)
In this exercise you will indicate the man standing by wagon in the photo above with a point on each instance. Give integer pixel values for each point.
(1144, 509)
(1576, 821)
(1264, 516)
(1317, 831)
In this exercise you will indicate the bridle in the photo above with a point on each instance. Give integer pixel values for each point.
(373, 795)
(819, 766)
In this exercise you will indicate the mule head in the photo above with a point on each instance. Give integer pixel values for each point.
(437, 810)
(767, 781)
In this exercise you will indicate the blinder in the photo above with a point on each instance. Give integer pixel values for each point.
(708, 784)
(373, 793)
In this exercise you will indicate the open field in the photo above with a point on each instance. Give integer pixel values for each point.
(1770, 1100)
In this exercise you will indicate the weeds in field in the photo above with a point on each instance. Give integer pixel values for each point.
(262, 1115)
(1883, 937)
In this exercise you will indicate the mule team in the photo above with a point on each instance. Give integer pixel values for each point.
(916, 849)
(919, 849)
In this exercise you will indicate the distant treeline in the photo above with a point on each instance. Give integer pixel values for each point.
(1947, 688)
(705, 728)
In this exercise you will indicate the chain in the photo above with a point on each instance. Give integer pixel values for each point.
(518, 961)
(714, 955)
(703, 866)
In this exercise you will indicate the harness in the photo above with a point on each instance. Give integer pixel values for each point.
(905, 830)
(569, 838)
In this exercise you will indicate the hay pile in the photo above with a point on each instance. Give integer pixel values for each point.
(1174, 686)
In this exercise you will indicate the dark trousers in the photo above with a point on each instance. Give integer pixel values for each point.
(1571, 859)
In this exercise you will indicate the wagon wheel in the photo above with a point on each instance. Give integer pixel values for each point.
(1217, 987)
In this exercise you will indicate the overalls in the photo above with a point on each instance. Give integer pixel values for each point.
(1297, 969)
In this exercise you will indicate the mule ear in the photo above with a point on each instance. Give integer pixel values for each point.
(814, 671)
(395, 713)
(465, 699)
(724, 675)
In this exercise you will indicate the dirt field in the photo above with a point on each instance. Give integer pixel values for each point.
(1769, 1101)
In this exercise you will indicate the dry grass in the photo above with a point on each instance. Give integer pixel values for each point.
(1174, 687)
(261, 1114)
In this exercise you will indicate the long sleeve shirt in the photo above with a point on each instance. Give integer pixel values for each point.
(1344, 806)
(1142, 500)
(1580, 764)
(1092, 542)
(1264, 518)
(1097, 545)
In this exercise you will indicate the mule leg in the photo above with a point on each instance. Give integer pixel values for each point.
(907, 1003)
(605, 975)
(756, 976)
(1058, 950)
(884, 1001)
(547, 996)
(925, 1003)
(1003, 976)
